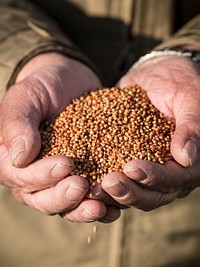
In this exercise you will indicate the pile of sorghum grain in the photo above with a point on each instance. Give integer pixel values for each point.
(104, 129)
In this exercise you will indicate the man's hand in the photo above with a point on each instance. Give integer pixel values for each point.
(42, 90)
(173, 86)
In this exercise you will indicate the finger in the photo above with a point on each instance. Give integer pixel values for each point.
(185, 145)
(112, 214)
(99, 194)
(168, 177)
(185, 191)
(44, 173)
(21, 113)
(66, 195)
(41, 174)
(155, 176)
(88, 211)
(129, 193)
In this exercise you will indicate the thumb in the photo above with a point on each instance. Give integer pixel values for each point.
(185, 147)
(20, 118)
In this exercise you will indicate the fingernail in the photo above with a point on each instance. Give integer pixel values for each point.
(61, 169)
(90, 216)
(75, 192)
(17, 150)
(136, 174)
(190, 149)
(87, 214)
(117, 189)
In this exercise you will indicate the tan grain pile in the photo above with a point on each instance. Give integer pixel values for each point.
(104, 129)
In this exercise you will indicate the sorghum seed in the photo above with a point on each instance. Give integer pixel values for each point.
(104, 129)
(89, 239)
(94, 228)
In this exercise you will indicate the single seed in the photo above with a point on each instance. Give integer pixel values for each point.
(89, 239)
(94, 228)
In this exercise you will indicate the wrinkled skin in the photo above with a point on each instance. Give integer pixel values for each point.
(173, 86)
(42, 90)
(44, 87)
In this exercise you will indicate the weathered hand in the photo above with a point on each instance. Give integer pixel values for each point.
(43, 88)
(173, 86)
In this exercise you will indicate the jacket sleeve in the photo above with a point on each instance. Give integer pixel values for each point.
(26, 31)
(188, 36)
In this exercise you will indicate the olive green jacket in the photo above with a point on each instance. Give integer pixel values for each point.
(111, 33)
(109, 36)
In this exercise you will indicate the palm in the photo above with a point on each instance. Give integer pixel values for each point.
(167, 84)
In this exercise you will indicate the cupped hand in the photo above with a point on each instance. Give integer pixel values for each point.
(173, 86)
(43, 88)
